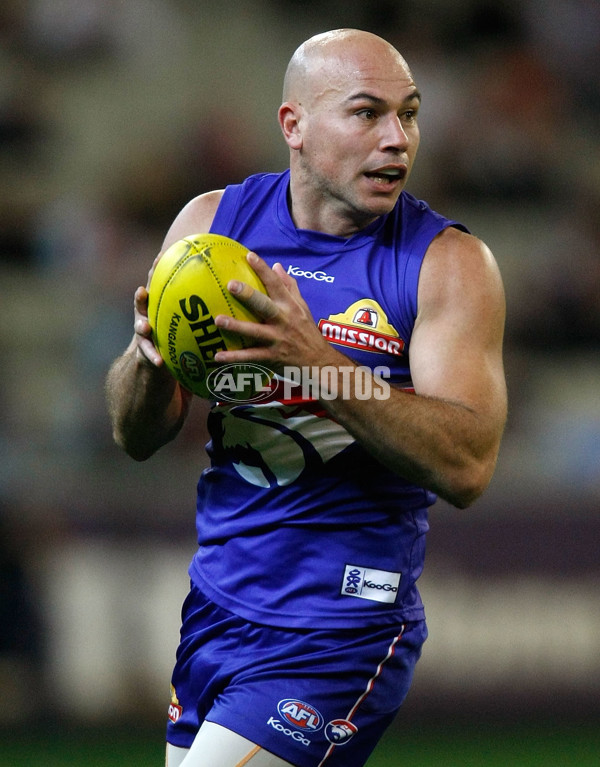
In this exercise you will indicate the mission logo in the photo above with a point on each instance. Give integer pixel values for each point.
(364, 325)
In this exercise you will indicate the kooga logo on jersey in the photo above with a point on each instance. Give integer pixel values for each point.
(320, 276)
(368, 583)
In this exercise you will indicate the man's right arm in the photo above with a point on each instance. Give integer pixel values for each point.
(147, 406)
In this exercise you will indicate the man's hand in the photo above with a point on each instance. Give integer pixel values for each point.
(286, 333)
(146, 350)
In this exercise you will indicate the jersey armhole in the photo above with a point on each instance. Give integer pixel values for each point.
(226, 210)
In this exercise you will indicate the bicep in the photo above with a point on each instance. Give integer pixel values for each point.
(456, 346)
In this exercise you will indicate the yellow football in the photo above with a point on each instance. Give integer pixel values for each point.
(187, 290)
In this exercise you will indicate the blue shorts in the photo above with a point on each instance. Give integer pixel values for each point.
(322, 697)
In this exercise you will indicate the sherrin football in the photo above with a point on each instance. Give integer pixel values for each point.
(187, 290)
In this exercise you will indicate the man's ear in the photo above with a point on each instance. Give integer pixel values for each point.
(289, 120)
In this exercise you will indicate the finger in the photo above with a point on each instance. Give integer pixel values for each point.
(142, 327)
(272, 281)
(291, 283)
(254, 354)
(147, 349)
(286, 278)
(145, 341)
(141, 323)
(140, 301)
(259, 333)
(258, 303)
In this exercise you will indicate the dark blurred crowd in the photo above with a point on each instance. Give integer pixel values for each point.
(509, 136)
(512, 100)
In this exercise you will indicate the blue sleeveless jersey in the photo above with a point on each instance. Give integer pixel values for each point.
(298, 526)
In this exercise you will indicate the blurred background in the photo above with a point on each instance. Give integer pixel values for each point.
(113, 115)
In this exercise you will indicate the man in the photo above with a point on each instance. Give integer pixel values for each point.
(304, 623)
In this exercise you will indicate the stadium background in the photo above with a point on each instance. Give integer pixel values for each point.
(112, 115)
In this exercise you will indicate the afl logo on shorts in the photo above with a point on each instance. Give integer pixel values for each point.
(340, 731)
(300, 715)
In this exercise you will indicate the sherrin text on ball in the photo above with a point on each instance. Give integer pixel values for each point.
(188, 289)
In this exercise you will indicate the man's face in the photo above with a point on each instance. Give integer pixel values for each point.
(359, 136)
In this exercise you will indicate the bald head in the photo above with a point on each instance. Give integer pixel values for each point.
(324, 56)
(349, 118)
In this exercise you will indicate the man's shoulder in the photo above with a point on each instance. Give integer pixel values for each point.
(460, 259)
(454, 242)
